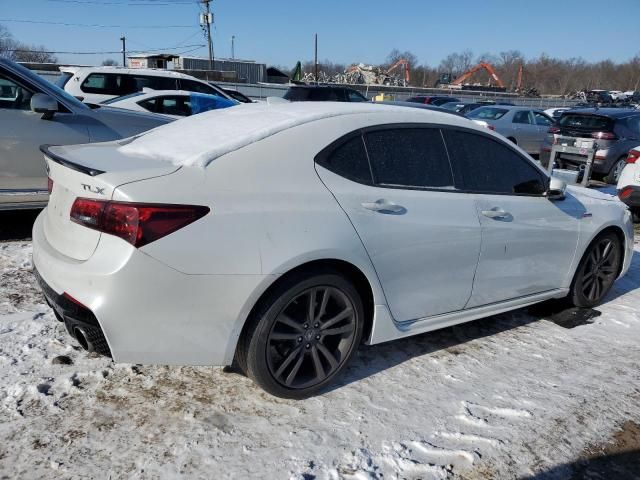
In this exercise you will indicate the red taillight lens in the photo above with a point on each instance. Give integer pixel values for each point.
(49, 185)
(553, 130)
(137, 223)
(633, 156)
(625, 193)
(491, 127)
(604, 135)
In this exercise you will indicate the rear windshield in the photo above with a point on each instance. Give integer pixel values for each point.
(311, 94)
(586, 122)
(63, 79)
(488, 113)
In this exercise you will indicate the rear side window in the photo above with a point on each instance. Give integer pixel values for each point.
(197, 87)
(349, 160)
(409, 157)
(522, 117)
(488, 166)
(156, 83)
(354, 96)
(325, 95)
(296, 94)
(103, 83)
(542, 120)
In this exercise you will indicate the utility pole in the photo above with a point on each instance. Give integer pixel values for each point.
(123, 39)
(316, 58)
(233, 50)
(207, 19)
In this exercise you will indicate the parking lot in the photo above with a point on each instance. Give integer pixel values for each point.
(537, 393)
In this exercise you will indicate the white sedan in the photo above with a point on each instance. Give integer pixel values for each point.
(173, 103)
(281, 236)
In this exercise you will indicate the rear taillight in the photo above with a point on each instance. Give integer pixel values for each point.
(604, 135)
(491, 127)
(553, 130)
(633, 156)
(625, 193)
(137, 223)
(49, 185)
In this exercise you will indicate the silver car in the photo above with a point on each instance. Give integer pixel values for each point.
(526, 127)
(35, 112)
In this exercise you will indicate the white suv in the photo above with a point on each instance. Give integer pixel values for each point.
(97, 84)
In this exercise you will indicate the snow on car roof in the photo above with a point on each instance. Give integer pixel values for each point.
(200, 139)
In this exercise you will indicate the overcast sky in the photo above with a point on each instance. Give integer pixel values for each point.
(281, 32)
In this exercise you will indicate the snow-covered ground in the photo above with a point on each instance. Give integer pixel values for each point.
(510, 396)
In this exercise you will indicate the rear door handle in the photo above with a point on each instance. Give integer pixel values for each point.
(496, 213)
(384, 206)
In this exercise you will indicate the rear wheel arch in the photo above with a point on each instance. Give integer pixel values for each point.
(354, 274)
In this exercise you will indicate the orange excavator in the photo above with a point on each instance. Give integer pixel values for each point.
(459, 82)
(407, 72)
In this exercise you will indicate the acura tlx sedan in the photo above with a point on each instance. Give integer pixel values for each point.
(279, 237)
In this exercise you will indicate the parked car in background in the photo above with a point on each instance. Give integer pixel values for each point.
(556, 112)
(436, 100)
(175, 103)
(629, 182)
(617, 96)
(524, 126)
(423, 106)
(236, 95)
(97, 84)
(33, 112)
(616, 131)
(381, 222)
(323, 93)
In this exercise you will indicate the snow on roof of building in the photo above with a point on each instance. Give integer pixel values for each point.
(200, 139)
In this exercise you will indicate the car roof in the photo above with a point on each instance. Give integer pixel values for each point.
(341, 87)
(606, 112)
(152, 72)
(202, 138)
(423, 106)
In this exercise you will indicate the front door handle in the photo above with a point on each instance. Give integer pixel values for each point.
(496, 213)
(384, 206)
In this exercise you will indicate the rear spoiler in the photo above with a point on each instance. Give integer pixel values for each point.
(62, 161)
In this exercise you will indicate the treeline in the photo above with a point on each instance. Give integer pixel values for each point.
(549, 75)
(21, 52)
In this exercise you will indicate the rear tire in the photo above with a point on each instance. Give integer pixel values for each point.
(614, 174)
(302, 334)
(597, 271)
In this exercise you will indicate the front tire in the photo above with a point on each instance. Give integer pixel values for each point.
(597, 271)
(303, 334)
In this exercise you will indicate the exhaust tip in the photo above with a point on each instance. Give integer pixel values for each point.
(81, 337)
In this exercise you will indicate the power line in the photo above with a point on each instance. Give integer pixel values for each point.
(197, 46)
(64, 24)
(143, 3)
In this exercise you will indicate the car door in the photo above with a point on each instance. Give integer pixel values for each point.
(528, 241)
(525, 130)
(543, 123)
(23, 176)
(422, 235)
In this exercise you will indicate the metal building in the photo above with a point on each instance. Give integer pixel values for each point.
(247, 71)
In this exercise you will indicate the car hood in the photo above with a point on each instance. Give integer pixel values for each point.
(590, 193)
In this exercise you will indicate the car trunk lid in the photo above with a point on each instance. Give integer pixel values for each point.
(87, 171)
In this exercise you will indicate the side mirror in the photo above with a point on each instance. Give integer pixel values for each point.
(557, 189)
(44, 104)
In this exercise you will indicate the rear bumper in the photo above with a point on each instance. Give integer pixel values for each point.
(149, 312)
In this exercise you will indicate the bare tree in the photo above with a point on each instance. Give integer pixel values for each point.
(109, 62)
(20, 52)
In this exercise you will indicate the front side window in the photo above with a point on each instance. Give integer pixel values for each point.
(409, 157)
(488, 113)
(14, 96)
(349, 160)
(488, 166)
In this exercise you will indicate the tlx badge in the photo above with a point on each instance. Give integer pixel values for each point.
(96, 190)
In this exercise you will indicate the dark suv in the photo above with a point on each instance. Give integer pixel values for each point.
(616, 131)
(323, 93)
(436, 100)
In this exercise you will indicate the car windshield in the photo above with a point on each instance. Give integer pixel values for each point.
(488, 113)
(123, 97)
(38, 80)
